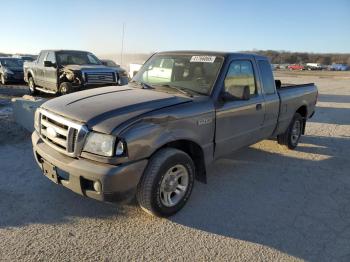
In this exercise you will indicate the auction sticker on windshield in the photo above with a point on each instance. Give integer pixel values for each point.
(203, 59)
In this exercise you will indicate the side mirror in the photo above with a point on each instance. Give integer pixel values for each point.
(236, 93)
(49, 64)
(278, 84)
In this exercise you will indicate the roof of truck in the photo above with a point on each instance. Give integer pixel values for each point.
(213, 53)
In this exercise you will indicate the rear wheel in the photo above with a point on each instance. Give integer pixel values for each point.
(291, 137)
(167, 182)
(31, 84)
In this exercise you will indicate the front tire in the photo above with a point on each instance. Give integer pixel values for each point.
(65, 88)
(167, 182)
(291, 137)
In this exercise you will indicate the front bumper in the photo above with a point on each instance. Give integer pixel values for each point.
(118, 182)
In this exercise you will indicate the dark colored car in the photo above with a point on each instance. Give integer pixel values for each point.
(11, 70)
(122, 73)
(67, 71)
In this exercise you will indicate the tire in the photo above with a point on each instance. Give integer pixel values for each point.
(31, 85)
(2, 80)
(159, 183)
(291, 137)
(65, 88)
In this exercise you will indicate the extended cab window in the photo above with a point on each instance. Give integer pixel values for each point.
(267, 77)
(240, 74)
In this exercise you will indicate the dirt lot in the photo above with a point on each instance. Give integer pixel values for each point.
(261, 203)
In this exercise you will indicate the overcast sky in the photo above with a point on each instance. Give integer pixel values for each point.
(312, 26)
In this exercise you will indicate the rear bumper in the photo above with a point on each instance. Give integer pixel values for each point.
(118, 182)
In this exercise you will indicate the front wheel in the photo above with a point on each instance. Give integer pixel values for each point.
(291, 137)
(167, 182)
(65, 88)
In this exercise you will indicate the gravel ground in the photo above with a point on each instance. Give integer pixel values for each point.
(263, 203)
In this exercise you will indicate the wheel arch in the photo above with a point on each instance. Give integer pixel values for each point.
(195, 151)
(302, 110)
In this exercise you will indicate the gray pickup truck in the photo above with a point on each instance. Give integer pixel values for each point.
(156, 136)
(65, 71)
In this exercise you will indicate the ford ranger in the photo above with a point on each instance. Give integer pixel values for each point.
(154, 137)
(66, 71)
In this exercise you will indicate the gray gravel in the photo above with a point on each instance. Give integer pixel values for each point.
(263, 203)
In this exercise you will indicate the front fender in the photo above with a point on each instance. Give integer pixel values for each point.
(143, 139)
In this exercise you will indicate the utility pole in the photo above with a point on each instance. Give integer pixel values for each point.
(122, 49)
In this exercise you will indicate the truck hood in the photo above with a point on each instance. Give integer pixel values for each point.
(89, 68)
(104, 109)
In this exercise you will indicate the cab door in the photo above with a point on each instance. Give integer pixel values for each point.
(239, 119)
(39, 69)
(50, 72)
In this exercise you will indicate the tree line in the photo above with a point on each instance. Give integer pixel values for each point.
(284, 57)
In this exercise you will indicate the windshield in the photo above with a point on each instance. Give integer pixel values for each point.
(11, 62)
(77, 58)
(196, 73)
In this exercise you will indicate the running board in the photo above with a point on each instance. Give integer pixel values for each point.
(45, 90)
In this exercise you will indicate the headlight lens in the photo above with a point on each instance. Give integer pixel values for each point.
(100, 144)
(37, 120)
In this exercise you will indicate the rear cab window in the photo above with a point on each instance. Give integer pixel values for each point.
(267, 78)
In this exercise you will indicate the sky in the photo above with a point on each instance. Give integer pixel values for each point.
(96, 25)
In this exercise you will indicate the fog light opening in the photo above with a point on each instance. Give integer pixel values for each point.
(97, 186)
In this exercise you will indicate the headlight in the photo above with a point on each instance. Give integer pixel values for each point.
(8, 71)
(100, 144)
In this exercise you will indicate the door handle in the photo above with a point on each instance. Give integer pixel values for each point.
(258, 106)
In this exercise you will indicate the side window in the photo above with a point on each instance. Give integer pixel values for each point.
(239, 75)
(51, 57)
(267, 77)
(41, 58)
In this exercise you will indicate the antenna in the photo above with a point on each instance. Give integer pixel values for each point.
(122, 49)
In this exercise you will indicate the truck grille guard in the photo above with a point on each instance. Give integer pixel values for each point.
(61, 134)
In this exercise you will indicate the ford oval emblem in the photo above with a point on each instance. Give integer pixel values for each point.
(51, 132)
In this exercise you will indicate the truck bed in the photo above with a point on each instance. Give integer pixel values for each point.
(293, 98)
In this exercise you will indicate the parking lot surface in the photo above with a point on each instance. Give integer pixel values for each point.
(262, 203)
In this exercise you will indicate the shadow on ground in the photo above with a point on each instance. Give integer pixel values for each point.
(300, 207)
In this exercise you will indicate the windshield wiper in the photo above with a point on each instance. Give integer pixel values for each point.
(179, 89)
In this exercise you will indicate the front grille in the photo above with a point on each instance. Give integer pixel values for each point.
(62, 134)
(99, 77)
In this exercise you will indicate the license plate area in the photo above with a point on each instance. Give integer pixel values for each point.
(50, 172)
